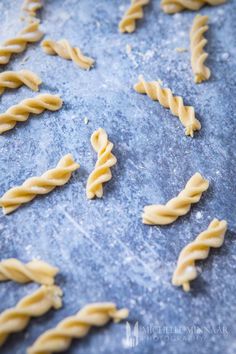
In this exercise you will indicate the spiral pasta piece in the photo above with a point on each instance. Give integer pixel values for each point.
(198, 55)
(32, 6)
(21, 111)
(34, 186)
(102, 171)
(15, 79)
(135, 12)
(178, 206)
(173, 6)
(34, 305)
(29, 34)
(166, 98)
(59, 339)
(199, 249)
(66, 51)
(35, 271)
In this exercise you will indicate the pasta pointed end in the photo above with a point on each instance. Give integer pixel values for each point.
(191, 128)
(186, 287)
(120, 315)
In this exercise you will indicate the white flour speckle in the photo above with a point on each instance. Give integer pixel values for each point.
(198, 215)
(225, 56)
(148, 55)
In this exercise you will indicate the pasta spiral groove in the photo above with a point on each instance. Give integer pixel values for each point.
(199, 249)
(173, 6)
(166, 98)
(178, 206)
(102, 171)
(44, 184)
(34, 305)
(32, 6)
(66, 51)
(15, 79)
(21, 111)
(59, 338)
(135, 12)
(36, 271)
(198, 42)
(29, 34)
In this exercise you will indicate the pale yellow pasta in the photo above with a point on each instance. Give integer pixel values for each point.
(32, 6)
(21, 111)
(15, 79)
(173, 6)
(37, 304)
(134, 12)
(186, 114)
(35, 271)
(199, 249)
(105, 160)
(178, 206)
(34, 186)
(59, 338)
(198, 55)
(29, 34)
(66, 51)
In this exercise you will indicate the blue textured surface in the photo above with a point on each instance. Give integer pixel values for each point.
(103, 250)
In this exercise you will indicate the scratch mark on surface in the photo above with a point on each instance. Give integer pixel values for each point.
(148, 270)
(150, 248)
(138, 260)
(82, 231)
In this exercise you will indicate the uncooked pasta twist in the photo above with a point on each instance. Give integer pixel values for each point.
(29, 34)
(198, 42)
(173, 6)
(15, 79)
(102, 171)
(31, 7)
(37, 304)
(178, 206)
(199, 249)
(135, 12)
(36, 271)
(66, 51)
(34, 186)
(166, 98)
(21, 111)
(59, 338)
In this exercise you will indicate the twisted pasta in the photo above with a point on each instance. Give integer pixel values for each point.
(32, 6)
(135, 12)
(36, 271)
(44, 184)
(166, 98)
(29, 34)
(35, 305)
(173, 6)
(198, 42)
(21, 111)
(178, 206)
(15, 79)
(106, 159)
(77, 326)
(66, 51)
(197, 250)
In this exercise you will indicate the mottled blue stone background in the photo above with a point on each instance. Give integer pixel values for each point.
(102, 248)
